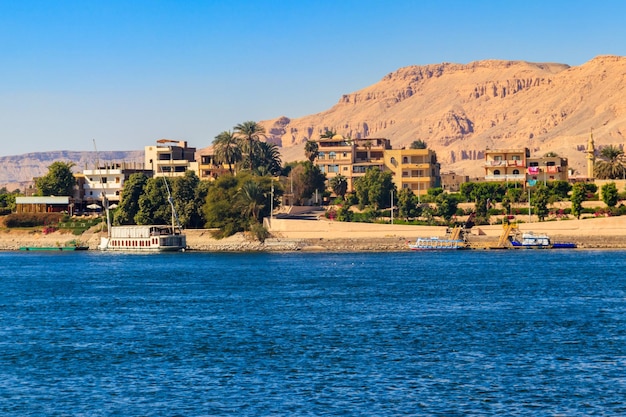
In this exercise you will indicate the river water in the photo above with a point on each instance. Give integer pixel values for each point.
(468, 333)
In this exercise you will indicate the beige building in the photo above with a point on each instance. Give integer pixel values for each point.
(451, 181)
(506, 164)
(350, 157)
(517, 165)
(415, 169)
(208, 167)
(170, 158)
(547, 168)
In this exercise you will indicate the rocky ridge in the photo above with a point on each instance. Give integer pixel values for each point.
(461, 110)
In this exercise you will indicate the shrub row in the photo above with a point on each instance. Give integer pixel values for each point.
(32, 219)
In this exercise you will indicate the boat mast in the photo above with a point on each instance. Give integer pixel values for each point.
(175, 221)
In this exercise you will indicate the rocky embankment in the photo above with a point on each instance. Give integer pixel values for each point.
(295, 235)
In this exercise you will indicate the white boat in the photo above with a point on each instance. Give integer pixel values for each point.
(144, 238)
(529, 240)
(435, 243)
(151, 238)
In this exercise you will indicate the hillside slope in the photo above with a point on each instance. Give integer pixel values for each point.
(460, 110)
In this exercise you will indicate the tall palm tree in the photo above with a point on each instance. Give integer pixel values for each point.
(611, 163)
(250, 133)
(227, 150)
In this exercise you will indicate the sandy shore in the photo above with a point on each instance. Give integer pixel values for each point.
(324, 235)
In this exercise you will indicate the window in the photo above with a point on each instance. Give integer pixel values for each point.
(550, 163)
(516, 158)
(321, 155)
(103, 180)
(345, 168)
(496, 172)
(332, 155)
(333, 168)
(533, 164)
(405, 160)
(516, 172)
(497, 158)
(345, 154)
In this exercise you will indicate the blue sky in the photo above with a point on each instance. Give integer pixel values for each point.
(127, 73)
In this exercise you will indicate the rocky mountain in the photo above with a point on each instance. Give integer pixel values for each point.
(460, 110)
(18, 171)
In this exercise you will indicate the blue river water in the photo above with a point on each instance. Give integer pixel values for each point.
(469, 333)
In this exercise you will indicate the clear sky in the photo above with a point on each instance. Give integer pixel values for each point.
(127, 73)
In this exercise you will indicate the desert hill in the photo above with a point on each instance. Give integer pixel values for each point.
(460, 110)
(17, 171)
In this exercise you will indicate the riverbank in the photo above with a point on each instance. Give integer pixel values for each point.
(325, 235)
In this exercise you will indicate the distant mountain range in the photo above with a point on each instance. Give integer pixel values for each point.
(459, 110)
(18, 171)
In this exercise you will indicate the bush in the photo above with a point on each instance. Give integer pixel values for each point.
(32, 219)
(259, 232)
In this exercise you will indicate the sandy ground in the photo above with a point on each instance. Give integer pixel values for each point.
(604, 232)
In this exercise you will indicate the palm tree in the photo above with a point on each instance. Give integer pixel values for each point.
(311, 150)
(250, 199)
(418, 144)
(339, 185)
(611, 163)
(227, 150)
(268, 157)
(250, 133)
(328, 134)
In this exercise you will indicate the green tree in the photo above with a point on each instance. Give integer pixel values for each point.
(374, 188)
(250, 134)
(59, 181)
(219, 211)
(407, 204)
(578, 196)
(128, 206)
(311, 150)
(418, 144)
(339, 185)
(447, 205)
(539, 201)
(227, 149)
(250, 199)
(188, 197)
(610, 195)
(153, 205)
(611, 163)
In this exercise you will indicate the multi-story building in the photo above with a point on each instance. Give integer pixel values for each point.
(208, 167)
(506, 164)
(350, 157)
(415, 169)
(108, 180)
(547, 168)
(517, 165)
(170, 158)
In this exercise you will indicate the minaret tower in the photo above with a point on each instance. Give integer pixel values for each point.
(591, 155)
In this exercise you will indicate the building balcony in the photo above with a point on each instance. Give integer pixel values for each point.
(507, 177)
